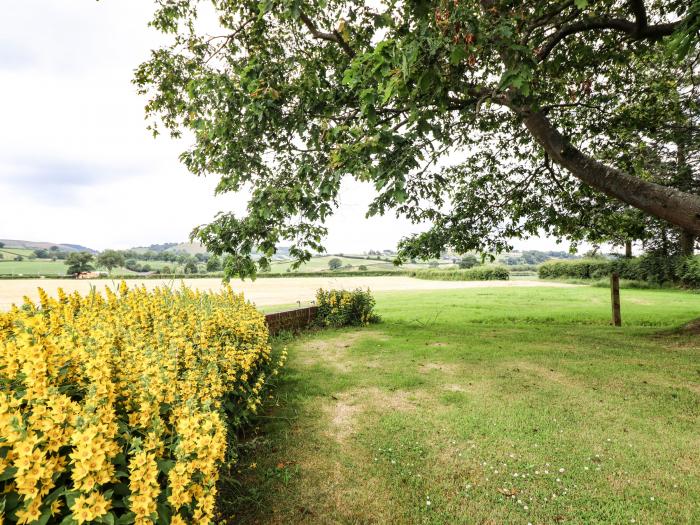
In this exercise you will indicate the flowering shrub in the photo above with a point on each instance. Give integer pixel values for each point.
(345, 308)
(114, 408)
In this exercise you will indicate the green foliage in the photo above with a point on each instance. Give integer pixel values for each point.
(654, 269)
(214, 264)
(79, 262)
(484, 273)
(110, 259)
(335, 264)
(190, 267)
(288, 97)
(338, 308)
(468, 261)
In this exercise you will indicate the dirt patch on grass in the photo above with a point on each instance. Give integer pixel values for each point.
(692, 328)
(345, 410)
(333, 353)
(342, 416)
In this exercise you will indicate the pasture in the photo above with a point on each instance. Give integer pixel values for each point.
(484, 405)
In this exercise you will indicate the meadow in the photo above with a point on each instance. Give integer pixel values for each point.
(484, 405)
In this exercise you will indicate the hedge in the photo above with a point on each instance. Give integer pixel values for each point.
(484, 273)
(682, 271)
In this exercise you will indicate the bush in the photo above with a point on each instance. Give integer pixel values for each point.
(654, 269)
(117, 408)
(338, 308)
(484, 273)
(468, 261)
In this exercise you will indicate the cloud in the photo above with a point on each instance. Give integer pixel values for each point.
(57, 183)
(14, 56)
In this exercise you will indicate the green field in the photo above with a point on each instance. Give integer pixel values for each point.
(9, 254)
(484, 406)
(320, 264)
(35, 267)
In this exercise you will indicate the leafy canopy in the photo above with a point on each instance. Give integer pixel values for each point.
(431, 103)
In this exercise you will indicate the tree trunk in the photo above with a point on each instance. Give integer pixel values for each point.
(685, 182)
(628, 249)
(687, 247)
(676, 207)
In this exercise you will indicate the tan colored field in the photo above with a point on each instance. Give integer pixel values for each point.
(263, 292)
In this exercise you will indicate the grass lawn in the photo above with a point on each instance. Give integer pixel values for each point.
(484, 406)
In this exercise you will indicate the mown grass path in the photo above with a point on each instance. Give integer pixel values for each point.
(485, 406)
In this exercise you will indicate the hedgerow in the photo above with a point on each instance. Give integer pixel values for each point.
(117, 408)
(338, 308)
(654, 269)
(486, 273)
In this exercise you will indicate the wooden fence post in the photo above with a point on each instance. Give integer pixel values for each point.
(615, 296)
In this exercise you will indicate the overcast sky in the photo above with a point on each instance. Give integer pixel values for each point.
(77, 164)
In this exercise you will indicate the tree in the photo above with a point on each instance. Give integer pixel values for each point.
(110, 259)
(2, 244)
(190, 267)
(335, 263)
(468, 261)
(214, 264)
(42, 253)
(19, 258)
(387, 91)
(362, 268)
(79, 262)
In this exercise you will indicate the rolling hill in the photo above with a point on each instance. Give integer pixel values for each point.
(35, 245)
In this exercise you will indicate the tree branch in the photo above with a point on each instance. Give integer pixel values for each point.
(632, 29)
(334, 37)
(640, 13)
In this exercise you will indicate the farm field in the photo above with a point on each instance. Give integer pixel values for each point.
(34, 267)
(9, 254)
(262, 291)
(320, 264)
(484, 405)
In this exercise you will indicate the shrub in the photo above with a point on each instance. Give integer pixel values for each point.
(468, 261)
(484, 273)
(115, 408)
(338, 308)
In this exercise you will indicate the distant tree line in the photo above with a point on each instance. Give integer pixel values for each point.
(537, 257)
